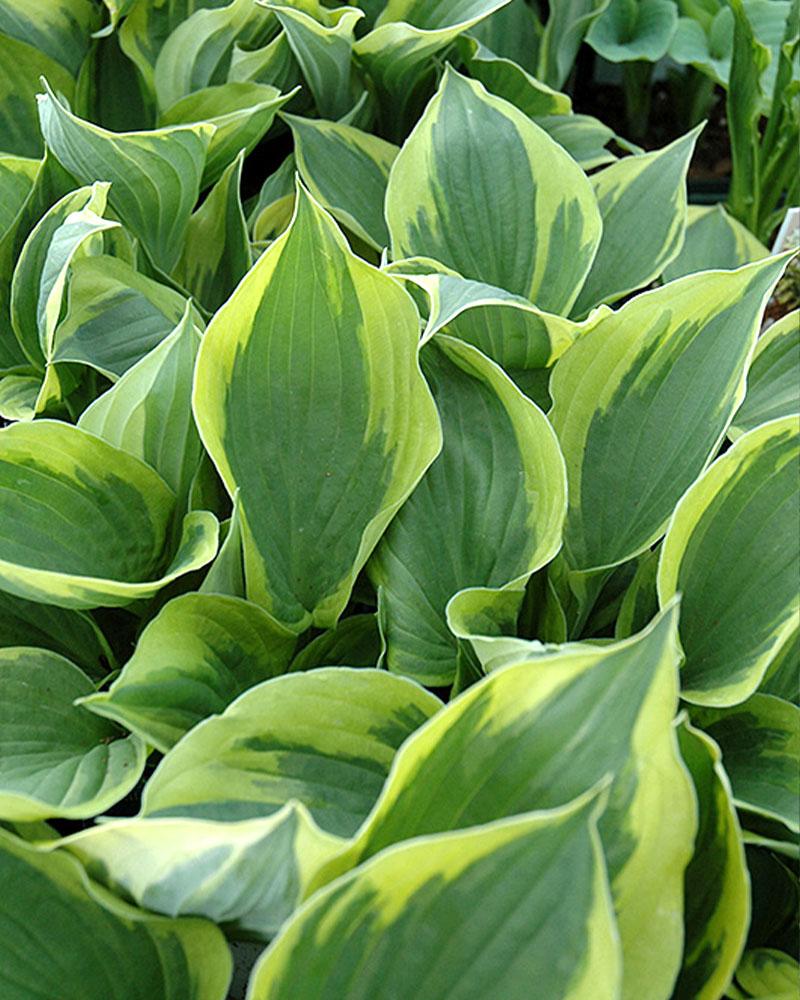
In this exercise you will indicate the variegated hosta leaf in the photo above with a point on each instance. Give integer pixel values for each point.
(273, 63)
(59, 30)
(631, 254)
(783, 674)
(248, 876)
(396, 53)
(537, 234)
(642, 401)
(17, 177)
(226, 573)
(486, 910)
(354, 642)
(115, 315)
(585, 138)
(760, 743)
(83, 524)
(97, 947)
(40, 276)
(192, 661)
(56, 759)
(19, 395)
(717, 883)
(629, 30)
(510, 743)
(491, 505)
(322, 43)
(155, 176)
(767, 972)
(773, 389)
(309, 398)
(714, 239)
(148, 412)
(640, 602)
(347, 171)
(325, 738)
(566, 27)
(733, 550)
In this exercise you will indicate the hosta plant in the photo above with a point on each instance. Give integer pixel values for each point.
(398, 566)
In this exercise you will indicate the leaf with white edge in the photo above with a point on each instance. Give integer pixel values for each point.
(510, 744)
(347, 171)
(57, 759)
(396, 54)
(492, 505)
(537, 234)
(773, 389)
(325, 738)
(97, 946)
(226, 573)
(783, 674)
(768, 973)
(273, 63)
(241, 114)
(717, 882)
(733, 550)
(83, 524)
(628, 30)
(115, 316)
(192, 660)
(582, 136)
(760, 743)
(148, 412)
(18, 396)
(216, 254)
(487, 910)
(631, 254)
(17, 177)
(155, 175)
(40, 275)
(59, 30)
(643, 400)
(566, 27)
(309, 399)
(714, 240)
(247, 876)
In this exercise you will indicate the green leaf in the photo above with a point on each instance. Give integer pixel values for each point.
(111, 511)
(352, 425)
(714, 240)
(193, 659)
(148, 412)
(226, 573)
(325, 738)
(511, 743)
(640, 602)
(732, 549)
(247, 876)
(642, 401)
(717, 882)
(18, 396)
(97, 946)
(768, 972)
(347, 171)
(538, 233)
(566, 27)
(628, 30)
(273, 63)
(631, 254)
(17, 177)
(487, 909)
(56, 759)
(582, 136)
(58, 30)
(513, 32)
(155, 175)
(772, 386)
(354, 642)
(492, 505)
(760, 743)
(115, 316)
(783, 674)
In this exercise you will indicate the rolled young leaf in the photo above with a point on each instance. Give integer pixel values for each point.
(480, 188)
(630, 30)
(732, 549)
(56, 759)
(309, 399)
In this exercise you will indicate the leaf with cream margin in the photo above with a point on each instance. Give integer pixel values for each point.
(59, 30)
(192, 660)
(486, 909)
(783, 674)
(309, 399)
(630, 254)
(98, 948)
(768, 973)
(566, 28)
(760, 743)
(155, 175)
(324, 737)
(396, 54)
(248, 876)
(347, 171)
(84, 525)
(18, 396)
(714, 240)
(643, 400)
(535, 235)
(717, 881)
(56, 759)
(773, 389)
(510, 743)
(733, 550)
(492, 505)
(17, 177)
